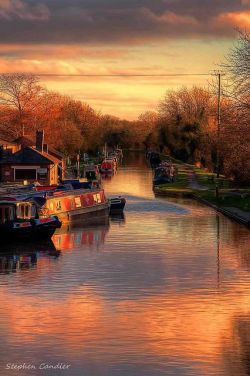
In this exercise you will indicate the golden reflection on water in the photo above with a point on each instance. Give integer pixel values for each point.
(163, 291)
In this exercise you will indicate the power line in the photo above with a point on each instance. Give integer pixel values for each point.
(116, 74)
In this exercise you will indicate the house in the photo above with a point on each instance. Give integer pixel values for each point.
(32, 163)
(8, 147)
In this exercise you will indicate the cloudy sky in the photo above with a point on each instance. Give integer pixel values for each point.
(118, 36)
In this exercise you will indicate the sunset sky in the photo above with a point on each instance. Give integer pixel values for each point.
(118, 36)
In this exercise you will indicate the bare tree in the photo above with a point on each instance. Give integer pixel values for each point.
(237, 66)
(19, 93)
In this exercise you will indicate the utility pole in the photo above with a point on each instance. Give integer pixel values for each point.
(78, 165)
(218, 126)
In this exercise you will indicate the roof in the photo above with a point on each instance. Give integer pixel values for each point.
(24, 141)
(31, 156)
(56, 152)
(5, 142)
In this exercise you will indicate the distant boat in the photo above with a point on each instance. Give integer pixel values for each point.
(108, 166)
(117, 204)
(92, 173)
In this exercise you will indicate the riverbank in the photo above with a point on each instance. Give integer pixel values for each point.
(201, 185)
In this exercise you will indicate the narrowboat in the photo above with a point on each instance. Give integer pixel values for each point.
(21, 219)
(71, 205)
(164, 173)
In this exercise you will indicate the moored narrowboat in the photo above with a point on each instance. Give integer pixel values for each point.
(23, 220)
(72, 204)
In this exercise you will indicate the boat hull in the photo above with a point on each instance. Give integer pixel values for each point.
(161, 180)
(85, 215)
(117, 204)
(31, 231)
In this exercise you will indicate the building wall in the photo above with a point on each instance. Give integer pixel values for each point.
(53, 174)
(8, 174)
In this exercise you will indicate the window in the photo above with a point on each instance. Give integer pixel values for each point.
(42, 174)
(24, 211)
(58, 205)
(33, 211)
(25, 174)
(78, 202)
(6, 214)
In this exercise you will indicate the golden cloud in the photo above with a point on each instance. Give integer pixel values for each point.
(236, 19)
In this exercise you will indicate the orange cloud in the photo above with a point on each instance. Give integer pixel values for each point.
(175, 19)
(60, 51)
(237, 19)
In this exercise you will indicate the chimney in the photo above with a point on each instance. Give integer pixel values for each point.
(39, 140)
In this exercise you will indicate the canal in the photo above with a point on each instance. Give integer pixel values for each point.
(164, 290)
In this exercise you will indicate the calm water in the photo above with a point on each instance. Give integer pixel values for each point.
(163, 291)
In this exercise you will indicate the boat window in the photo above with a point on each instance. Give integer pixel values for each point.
(97, 198)
(58, 205)
(33, 211)
(24, 211)
(78, 202)
(7, 213)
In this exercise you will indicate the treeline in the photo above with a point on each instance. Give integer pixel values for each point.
(185, 124)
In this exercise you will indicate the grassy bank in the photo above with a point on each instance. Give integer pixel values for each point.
(199, 183)
(227, 199)
(180, 187)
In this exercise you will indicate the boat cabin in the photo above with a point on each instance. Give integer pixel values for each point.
(11, 210)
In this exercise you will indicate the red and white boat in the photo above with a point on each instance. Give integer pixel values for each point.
(71, 202)
(108, 166)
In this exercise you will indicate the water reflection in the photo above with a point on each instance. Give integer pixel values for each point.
(70, 237)
(162, 290)
(118, 217)
(236, 350)
(16, 257)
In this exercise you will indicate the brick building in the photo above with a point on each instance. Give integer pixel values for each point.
(31, 163)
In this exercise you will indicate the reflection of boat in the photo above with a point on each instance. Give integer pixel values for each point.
(106, 176)
(117, 217)
(74, 237)
(21, 256)
(23, 220)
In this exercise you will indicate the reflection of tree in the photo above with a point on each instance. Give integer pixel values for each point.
(239, 240)
(237, 353)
